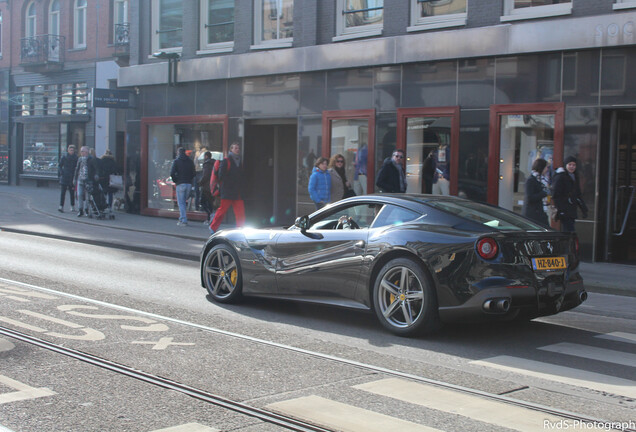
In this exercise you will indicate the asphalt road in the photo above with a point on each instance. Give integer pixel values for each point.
(150, 313)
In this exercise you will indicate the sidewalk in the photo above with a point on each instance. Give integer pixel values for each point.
(33, 210)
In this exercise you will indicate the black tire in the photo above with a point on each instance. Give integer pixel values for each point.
(404, 298)
(222, 274)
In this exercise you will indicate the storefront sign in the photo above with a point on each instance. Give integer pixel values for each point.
(106, 98)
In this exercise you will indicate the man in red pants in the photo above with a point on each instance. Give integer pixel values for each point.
(231, 179)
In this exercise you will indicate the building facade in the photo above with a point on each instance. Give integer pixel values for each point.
(482, 88)
(53, 54)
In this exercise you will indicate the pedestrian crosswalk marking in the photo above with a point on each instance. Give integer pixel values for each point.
(188, 427)
(593, 353)
(342, 417)
(619, 336)
(478, 408)
(562, 374)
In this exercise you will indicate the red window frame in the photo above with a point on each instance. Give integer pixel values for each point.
(369, 114)
(496, 112)
(144, 152)
(404, 114)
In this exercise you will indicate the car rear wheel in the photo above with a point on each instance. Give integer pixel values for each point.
(404, 299)
(222, 274)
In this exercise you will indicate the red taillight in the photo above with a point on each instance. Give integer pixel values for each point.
(487, 248)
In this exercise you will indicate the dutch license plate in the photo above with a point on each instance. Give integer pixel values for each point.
(549, 263)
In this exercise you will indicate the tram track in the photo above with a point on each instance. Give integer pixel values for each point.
(267, 416)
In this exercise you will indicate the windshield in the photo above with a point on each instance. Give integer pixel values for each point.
(484, 214)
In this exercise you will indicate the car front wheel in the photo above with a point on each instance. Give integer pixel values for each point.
(404, 299)
(222, 274)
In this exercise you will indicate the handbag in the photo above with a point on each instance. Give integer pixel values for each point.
(116, 181)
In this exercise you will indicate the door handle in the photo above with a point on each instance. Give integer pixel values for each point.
(359, 244)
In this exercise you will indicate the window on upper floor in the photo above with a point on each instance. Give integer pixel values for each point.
(30, 22)
(529, 9)
(274, 23)
(359, 18)
(432, 14)
(217, 25)
(120, 21)
(624, 4)
(167, 25)
(79, 24)
(54, 17)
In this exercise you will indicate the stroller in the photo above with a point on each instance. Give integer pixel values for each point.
(97, 205)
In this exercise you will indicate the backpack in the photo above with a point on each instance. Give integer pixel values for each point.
(215, 182)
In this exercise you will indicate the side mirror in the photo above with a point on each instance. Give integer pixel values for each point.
(302, 222)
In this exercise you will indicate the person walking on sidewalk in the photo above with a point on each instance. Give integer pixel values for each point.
(66, 172)
(183, 174)
(85, 175)
(207, 201)
(319, 186)
(107, 167)
(391, 178)
(566, 193)
(231, 179)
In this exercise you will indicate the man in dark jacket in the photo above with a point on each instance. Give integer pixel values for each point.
(66, 172)
(231, 178)
(391, 178)
(566, 194)
(183, 174)
(107, 167)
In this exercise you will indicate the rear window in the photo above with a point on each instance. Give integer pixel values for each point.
(493, 217)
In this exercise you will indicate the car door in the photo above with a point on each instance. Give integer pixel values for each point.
(325, 261)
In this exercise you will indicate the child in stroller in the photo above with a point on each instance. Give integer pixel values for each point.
(97, 205)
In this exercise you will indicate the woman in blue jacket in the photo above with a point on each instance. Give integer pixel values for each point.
(320, 183)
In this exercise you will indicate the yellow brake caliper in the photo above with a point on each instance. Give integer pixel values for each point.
(233, 276)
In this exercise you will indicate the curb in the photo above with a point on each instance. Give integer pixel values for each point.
(115, 245)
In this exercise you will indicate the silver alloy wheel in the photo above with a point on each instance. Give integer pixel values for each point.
(401, 297)
(221, 273)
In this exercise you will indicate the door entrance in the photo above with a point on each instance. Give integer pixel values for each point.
(618, 179)
(269, 157)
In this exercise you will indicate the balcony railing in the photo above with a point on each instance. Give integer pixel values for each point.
(42, 50)
(121, 39)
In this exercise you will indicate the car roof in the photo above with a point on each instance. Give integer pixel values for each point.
(403, 197)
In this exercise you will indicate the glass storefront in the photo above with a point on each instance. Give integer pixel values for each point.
(524, 138)
(163, 141)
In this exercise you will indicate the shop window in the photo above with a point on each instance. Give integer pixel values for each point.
(167, 25)
(359, 18)
(79, 24)
(161, 137)
(430, 138)
(432, 14)
(274, 23)
(352, 135)
(217, 25)
(530, 9)
(41, 149)
(0, 34)
(520, 134)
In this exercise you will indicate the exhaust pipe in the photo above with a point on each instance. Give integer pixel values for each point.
(496, 305)
(583, 296)
(503, 305)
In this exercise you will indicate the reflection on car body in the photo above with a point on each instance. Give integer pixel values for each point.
(415, 260)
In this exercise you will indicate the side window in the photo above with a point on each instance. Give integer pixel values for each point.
(358, 216)
(394, 215)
